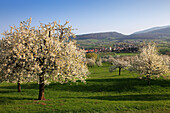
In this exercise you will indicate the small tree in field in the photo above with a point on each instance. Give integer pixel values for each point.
(111, 60)
(44, 54)
(99, 62)
(166, 59)
(149, 63)
(118, 63)
(90, 62)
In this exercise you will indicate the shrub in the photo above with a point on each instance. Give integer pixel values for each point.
(91, 55)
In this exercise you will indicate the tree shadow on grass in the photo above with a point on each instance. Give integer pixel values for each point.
(140, 97)
(134, 97)
(23, 86)
(97, 85)
(2, 92)
(109, 85)
(93, 85)
(7, 100)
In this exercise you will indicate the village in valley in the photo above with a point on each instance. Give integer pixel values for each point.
(118, 48)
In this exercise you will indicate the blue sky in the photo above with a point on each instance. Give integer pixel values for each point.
(88, 16)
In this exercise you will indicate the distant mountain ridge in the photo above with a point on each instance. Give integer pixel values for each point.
(155, 34)
(100, 35)
(151, 29)
(152, 33)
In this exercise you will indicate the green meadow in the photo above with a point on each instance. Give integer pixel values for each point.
(127, 54)
(104, 92)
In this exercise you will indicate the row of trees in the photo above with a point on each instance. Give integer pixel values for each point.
(44, 54)
(148, 63)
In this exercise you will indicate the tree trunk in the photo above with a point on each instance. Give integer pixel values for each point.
(119, 70)
(148, 79)
(19, 85)
(41, 88)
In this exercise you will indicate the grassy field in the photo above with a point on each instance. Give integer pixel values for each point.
(103, 92)
(113, 54)
(127, 54)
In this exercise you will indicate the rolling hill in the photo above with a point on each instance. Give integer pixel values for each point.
(162, 33)
(100, 36)
(151, 29)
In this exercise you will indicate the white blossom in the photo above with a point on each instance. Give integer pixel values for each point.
(149, 63)
(27, 53)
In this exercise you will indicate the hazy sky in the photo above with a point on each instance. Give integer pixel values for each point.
(88, 16)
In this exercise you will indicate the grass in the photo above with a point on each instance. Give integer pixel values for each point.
(103, 92)
(101, 54)
(113, 54)
(127, 54)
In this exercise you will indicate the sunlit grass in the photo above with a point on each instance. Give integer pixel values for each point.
(103, 92)
(127, 54)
